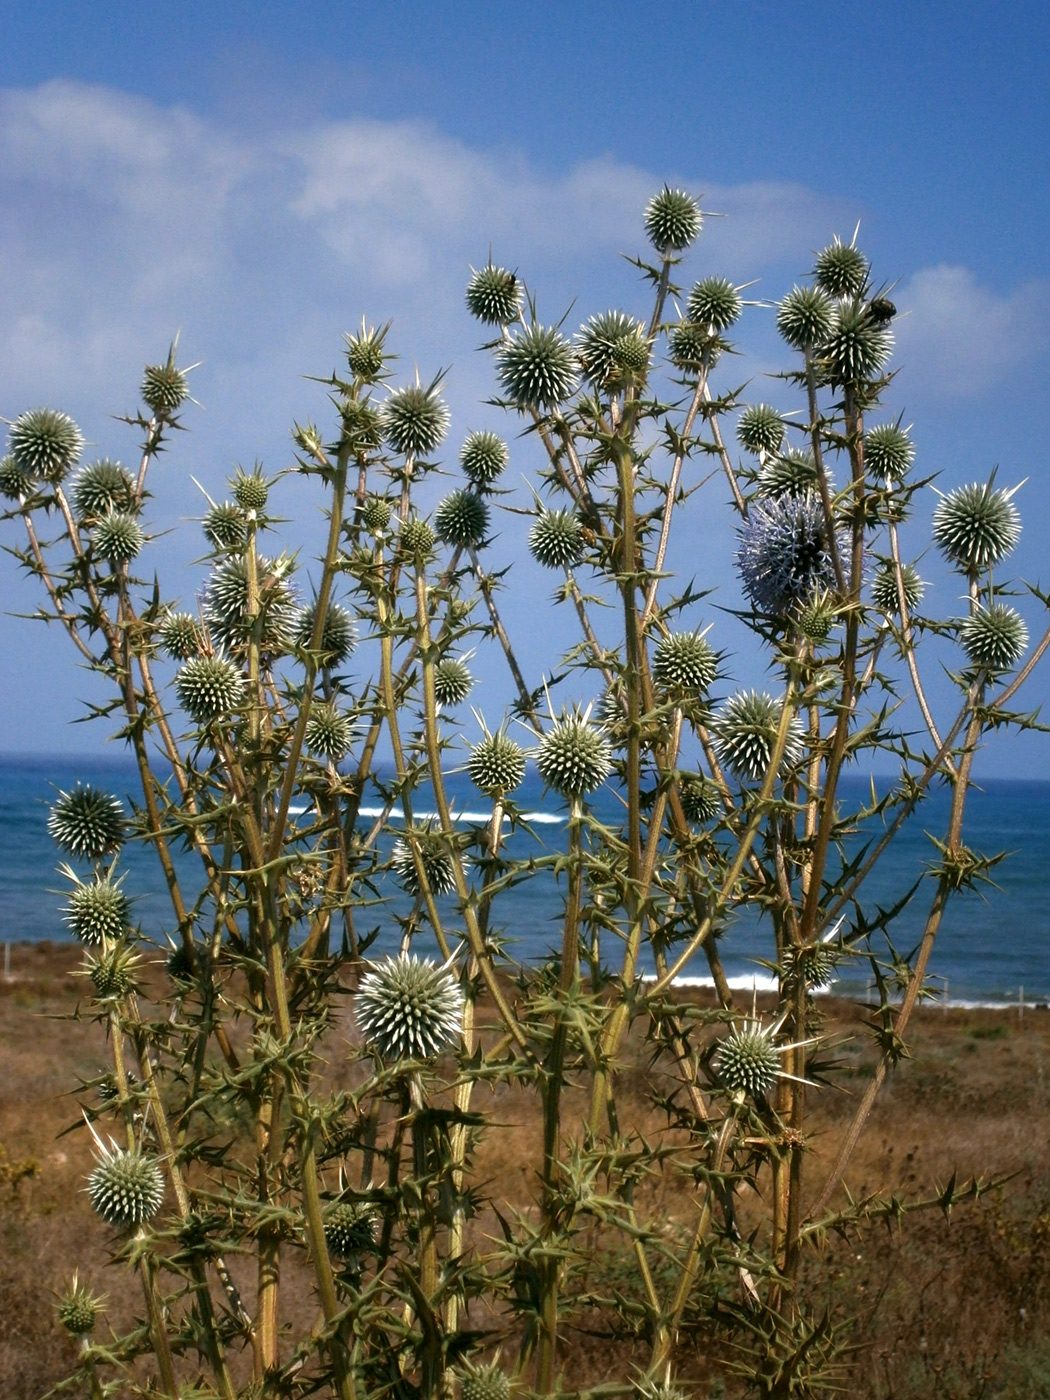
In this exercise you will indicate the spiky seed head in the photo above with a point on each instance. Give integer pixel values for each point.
(536, 368)
(338, 633)
(496, 764)
(98, 911)
(376, 514)
(804, 317)
(117, 538)
(250, 490)
(692, 346)
(101, 487)
(409, 1008)
(452, 681)
(888, 452)
(14, 482)
(884, 589)
(760, 429)
(415, 420)
(841, 270)
(631, 353)
(744, 731)
(126, 1188)
(164, 388)
(574, 757)
(349, 1230)
(485, 1382)
(436, 862)
(109, 1090)
(209, 688)
(701, 801)
(612, 706)
(793, 474)
(79, 1308)
(226, 526)
(556, 539)
(747, 1061)
(180, 636)
(416, 538)
(45, 444)
(975, 527)
(87, 823)
(329, 731)
(782, 557)
(814, 964)
(483, 457)
(494, 295)
(226, 611)
(462, 518)
(815, 617)
(596, 343)
(114, 973)
(362, 424)
(714, 303)
(994, 637)
(856, 347)
(365, 355)
(672, 220)
(684, 661)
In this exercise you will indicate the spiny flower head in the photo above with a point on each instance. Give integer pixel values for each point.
(857, 345)
(338, 633)
(597, 342)
(494, 295)
(409, 1008)
(975, 527)
(101, 487)
(226, 526)
(815, 616)
(496, 764)
(250, 490)
(841, 270)
(78, 1308)
(714, 303)
(994, 637)
(804, 317)
(127, 1187)
(209, 688)
(97, 911)
(536, 368)
(574, 756)
(434, 858)
(45, 443)
(329, 731)
(114, 973)
(672, 220)
(225, 604)
(485, 1382)
(701, 800)
(180, 636)
(415, 420)
(483, 457)
(87, 822)
(416, 538)
(362, 424)
(744, 731)
(164, 387)
(365, 354)
(747, 1061)
(693, 346)
(376, 514)
(349, 1230)
(888, 452)
(556, 539)
(117, 537)
(884, 588)
(760, 429)
(783, 556)
(14, 482)
(462, 519)
(685, 661)
(452, 681)
(793, 474)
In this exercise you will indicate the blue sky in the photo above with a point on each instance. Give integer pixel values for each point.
(262, 175)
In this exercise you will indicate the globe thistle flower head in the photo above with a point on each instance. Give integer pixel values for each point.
(484, 1382)
(597, 345)
(747, 1062)
(574, 756)
(180, 636)
(556, 539)
(888, 452)
(362, 424)
(814, 963)
(225, 605)
(209, 688)
(102, 487)
(816, 616)
(87, 823)
(494, 295)
(700, 798)
(782, 557)
(792, 474)
(841, 270)
(857, 347)
(79, 1308)
(452, 681)
(497, 764)
(693, 347)
(536, 368)
(108, 1090)
(250, 490)
(376, 515)
(14, 482)
(462, 519)
(884, 592)
(126, 1188)
(744, 732)
(114, 973)
(225, 526)
(164, 387)
(672, 220)
(349, 1230)
(409, 1008)
(714, 303)
(45, 444)
(338, 633)
(365, 354)
(760, 429)
(329, 732)
(434, 858)
(417, 538)
(97, 911)
(975, 527)
(117, 538)
(804, 318)
(415, 420)
(994, 637)
(685, 662)
(180, 966)
(483, 457)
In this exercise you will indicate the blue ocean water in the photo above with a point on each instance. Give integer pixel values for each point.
(989, 947)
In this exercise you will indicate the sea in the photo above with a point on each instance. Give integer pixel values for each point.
(993, 948)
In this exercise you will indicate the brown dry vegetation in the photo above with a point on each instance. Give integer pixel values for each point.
(957, 1309)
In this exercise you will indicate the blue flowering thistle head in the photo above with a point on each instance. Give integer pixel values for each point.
(409, 1008)
(536, 368)
(415, 420)
(126, 1188)
(87, 823)
(672, 220)
(744, 732)
(782, 557)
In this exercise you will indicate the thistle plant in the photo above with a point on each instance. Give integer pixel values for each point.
(309, 1077)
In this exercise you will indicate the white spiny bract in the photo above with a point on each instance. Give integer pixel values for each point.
(209, 688)
(760, 429)
(975, 527)
(117, 537)
(782, 556)
(600, 345)
(97, 911)
(888, 452)
(574, 757)
(484, 1382)
(99, 488)
(462, 519)
(435, 860)
(409, 1008)
(841, 270)
(496, 764)
(744, 732)
(556, 539)
(415, 420)
(994, 637)
(684, 661)
(452, 681)
(494, 295)
(45, 444)
(483, 457)
(536, 368)
(747, 1061)
(365, 354)
(672, 220)
(127, 1187)
(87, 822)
